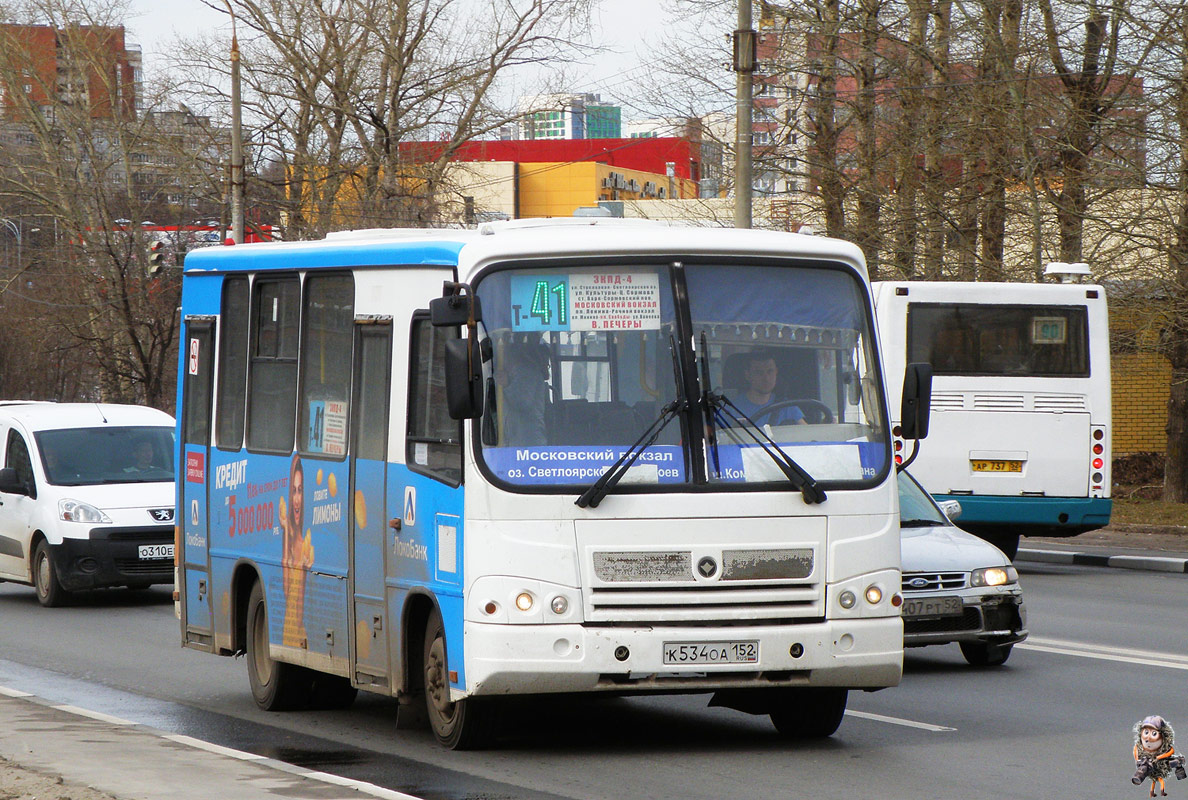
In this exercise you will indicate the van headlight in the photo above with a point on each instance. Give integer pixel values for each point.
(993, 576)
(74, 511)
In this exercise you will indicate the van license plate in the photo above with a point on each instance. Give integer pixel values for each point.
(746, 652)
(154, 551)
(996, 466)
(933, 607)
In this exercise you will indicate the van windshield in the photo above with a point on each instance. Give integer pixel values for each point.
(91, 456)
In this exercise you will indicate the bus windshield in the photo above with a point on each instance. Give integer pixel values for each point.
(583, 360)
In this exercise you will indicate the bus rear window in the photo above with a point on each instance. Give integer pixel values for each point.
(1009, 340)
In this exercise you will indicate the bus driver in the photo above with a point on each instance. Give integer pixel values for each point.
(761, 375)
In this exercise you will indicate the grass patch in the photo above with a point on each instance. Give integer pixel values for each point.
(1142, 511)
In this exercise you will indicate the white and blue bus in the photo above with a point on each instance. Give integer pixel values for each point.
(454, 466)
(1021, 400)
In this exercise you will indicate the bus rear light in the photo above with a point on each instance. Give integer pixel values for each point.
(1098, 477)
(1098, 434)
(898, 458)
(1098, 463)
(897, 431)
(1098, 449)
(898, 445)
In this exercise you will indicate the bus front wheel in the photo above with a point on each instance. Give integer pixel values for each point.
(809, 713)
(458, 725)
(276, 686)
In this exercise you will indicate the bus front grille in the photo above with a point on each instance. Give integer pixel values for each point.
(724, 603)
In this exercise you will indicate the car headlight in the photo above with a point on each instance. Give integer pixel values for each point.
(74, 511)
(993, 576)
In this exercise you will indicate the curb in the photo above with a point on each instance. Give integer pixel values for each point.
(1150, 563)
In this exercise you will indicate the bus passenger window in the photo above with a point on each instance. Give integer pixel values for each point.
(274, 365)
(434, 443)
(233, 350)
(328, 322)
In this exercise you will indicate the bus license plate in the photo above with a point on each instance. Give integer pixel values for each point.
(155, 551)
(932, 607)
(997, 466)
(711, 652)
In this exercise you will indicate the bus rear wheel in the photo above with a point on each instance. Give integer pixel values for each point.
(809, 713)
(276, 686)
(460, 724)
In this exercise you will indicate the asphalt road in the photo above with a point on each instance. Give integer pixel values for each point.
(1108, 647)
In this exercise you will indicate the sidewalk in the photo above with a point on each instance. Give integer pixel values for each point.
(55, 752)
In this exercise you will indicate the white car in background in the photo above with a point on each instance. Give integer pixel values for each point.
(86, 497)
(956, 587)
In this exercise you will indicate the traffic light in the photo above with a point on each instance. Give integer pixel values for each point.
(156, 258)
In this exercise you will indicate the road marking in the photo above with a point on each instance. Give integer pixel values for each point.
(907, 723)
(7, 692)
(210, 747)
(97, 715)
(1102, 652)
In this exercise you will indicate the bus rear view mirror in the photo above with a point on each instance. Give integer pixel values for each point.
(455, 308)
(463, 378)
(916, 401)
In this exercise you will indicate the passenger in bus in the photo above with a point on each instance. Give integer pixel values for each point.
(761, 374)
(522, 374)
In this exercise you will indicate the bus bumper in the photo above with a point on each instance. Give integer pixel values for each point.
(1031, 516)
(535, 659)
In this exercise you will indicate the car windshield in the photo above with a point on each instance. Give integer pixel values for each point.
(92, 456)
(916, 508)
(583, 359)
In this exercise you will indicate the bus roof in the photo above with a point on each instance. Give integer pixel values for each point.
(471, 250)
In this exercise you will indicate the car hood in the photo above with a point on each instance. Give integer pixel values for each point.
(945, 548)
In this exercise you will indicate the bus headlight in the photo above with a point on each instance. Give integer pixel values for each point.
(559, 604)
(846, 599)
(524, 601)
(993, 576)
(874, 595)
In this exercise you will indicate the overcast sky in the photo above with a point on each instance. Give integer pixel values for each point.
(624, 26)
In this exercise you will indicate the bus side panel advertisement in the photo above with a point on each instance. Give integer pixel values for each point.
(289, 516)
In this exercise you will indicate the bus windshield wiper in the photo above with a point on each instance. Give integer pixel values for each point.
(796, 474)
(615, 472)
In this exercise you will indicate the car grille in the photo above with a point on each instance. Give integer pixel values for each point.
(970, 620)
(134, 566)
(157, 534)
(933, 581)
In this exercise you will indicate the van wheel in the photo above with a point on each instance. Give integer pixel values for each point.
(276, 686)
(809, 713)
(461, 725)
(984, 654)
(45, 578)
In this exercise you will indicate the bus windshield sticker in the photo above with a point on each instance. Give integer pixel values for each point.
(1048, 330)
(327, 427)
(564, 465)
(599, 302)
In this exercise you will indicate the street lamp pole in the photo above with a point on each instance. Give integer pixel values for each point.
(237, 179)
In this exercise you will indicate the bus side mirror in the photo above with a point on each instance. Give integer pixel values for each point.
(455, 308)
(917, 401)
(463, 378)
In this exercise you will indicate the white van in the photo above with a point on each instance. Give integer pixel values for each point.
(86, 497)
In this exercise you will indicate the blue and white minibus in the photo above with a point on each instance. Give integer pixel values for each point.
(1021, 400)
(457, 466)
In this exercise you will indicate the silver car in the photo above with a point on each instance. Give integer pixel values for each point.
(956, 587)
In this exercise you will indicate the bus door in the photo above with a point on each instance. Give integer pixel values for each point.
(370, 531)
(193, 573)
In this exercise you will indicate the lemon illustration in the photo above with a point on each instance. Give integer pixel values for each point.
(360, 509)
(333, 485)
(319, 477)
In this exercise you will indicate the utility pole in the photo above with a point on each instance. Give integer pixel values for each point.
(744, 66)
(237, 181)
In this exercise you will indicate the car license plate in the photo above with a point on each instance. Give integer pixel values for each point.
(746, 652)
(996, 466)
(155, 551)
(933, 607)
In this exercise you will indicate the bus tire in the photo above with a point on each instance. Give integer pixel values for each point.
(460, 725)
(45, 578)
(809, 713)
(276, 686)
(1005, 541)
(985, 654)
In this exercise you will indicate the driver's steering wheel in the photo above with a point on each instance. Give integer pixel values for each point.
(822, 411)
